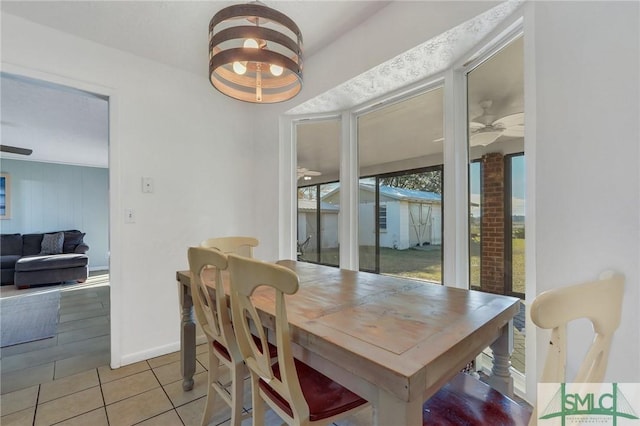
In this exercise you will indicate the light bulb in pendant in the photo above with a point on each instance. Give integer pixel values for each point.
(250, 43)
(239, 68)
(276, 70)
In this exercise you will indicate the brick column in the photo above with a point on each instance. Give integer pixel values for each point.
(492, 238)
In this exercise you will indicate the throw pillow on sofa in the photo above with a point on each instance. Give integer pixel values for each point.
(52, 243)
(71, 240)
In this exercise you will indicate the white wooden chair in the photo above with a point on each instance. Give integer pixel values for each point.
(466, 400)
(206, 266)
(299, 394)
(238, 245)
(598, 301)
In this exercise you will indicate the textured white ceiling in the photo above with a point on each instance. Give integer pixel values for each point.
(176, 32)
(60, 124)
(433, 56)
(154, 28)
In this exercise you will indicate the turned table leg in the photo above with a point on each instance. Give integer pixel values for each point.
(187, 337)
(502, 348)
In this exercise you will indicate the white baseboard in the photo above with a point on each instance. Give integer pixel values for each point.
(147, 354)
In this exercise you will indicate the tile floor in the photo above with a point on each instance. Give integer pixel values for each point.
(145, 393)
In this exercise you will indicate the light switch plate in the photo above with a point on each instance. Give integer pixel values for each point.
(147, 185)
(129, 216)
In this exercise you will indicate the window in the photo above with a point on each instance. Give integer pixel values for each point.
(382, 218)
(318, 148)
(496, 180)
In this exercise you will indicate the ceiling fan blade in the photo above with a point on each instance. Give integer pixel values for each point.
(474, 126)
(514, 132)
(484, 138)
(15, 150)
(511, 120)
(312, 173)
(438, 140)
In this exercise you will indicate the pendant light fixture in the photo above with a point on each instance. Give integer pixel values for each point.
(255, 54)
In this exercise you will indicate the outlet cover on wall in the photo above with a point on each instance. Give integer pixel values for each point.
(147, 185)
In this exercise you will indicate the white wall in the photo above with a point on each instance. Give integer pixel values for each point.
(166, 124)
(585, 59)
(55, 197)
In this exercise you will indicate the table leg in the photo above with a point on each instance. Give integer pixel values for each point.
(187, 338)
(391, 411)
(502, 348)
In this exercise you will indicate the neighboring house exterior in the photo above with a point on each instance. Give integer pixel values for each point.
(408, 218)
(307, 224)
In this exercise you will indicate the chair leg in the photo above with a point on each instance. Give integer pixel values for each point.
(237, 393)
(257, 402)
(214, 372)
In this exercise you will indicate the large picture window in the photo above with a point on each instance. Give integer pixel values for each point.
(318, 147)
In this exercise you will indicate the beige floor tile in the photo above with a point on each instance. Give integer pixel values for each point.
(107, 374)
(170, 373)
(270, 419)
(363, 418)
(19, 418)
(68, 385)
(170, 418)
(164, 359)
(138, 408)
(94, 418)
(202, 349)
(179, 397)
(19, 400)
(191, 413)
(203, 359)
(69, 406)
(126, 387)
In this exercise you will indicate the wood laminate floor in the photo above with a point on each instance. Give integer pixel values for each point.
(82, 341)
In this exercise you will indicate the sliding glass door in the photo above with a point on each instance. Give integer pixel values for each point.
(400, 211)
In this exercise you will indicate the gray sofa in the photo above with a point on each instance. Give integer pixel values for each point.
(26, 261)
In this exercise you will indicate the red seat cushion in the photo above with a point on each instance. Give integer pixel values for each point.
(324, 397)
(221, 350)
(273, 351)
(466, 401)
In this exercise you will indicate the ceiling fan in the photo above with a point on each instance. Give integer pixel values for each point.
(306, 174)
(485, 129)
(15, 150)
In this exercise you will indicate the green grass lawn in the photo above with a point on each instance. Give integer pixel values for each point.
(425, 263)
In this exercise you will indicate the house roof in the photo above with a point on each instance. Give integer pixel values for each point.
(401, 194)
(310, 205)
(405, 194)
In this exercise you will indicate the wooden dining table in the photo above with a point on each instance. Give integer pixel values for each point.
(394, 341)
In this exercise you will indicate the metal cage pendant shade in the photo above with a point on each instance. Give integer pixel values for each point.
(255, 54)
